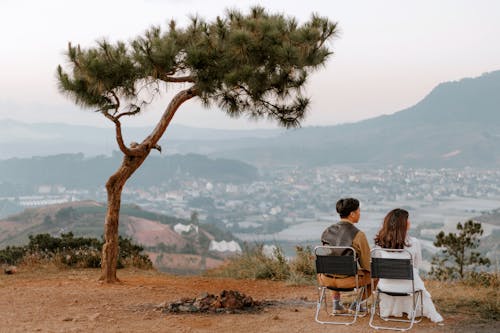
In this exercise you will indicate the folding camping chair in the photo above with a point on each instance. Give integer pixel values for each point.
(337, 260)
(398, 265)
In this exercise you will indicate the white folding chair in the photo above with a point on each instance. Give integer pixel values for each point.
(337, 260)
(397, 265)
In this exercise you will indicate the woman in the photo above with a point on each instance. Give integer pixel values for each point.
(394, 235)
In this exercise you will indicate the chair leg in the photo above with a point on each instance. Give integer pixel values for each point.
(321, 295)
(322, 298)
(375, 296)
(359, 300)
(417, 299)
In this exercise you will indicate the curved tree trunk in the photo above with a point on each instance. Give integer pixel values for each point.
(114, 187)
(132, 160)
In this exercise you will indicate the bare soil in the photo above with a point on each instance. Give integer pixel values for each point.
(49, 300)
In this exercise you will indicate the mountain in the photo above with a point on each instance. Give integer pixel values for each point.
(19, 139)
(456, 125)
(166, 239)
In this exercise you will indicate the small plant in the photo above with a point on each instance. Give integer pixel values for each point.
(253, 263)
(482, 279)
(457, 258)
(303, 263)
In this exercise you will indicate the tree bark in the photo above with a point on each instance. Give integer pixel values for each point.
(114, 187)
(132, 160)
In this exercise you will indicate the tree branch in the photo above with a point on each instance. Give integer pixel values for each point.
(119, 137)
(130, 113)
(117, 102)
(167, 78)
(152, 139)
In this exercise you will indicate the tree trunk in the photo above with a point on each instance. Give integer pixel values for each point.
(114, 188)
(132, 160)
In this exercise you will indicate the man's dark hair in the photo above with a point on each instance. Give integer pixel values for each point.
(346, 206)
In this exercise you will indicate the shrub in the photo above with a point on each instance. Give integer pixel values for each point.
(303, 263)
(70, 251)
(253, 263)
(12, 255)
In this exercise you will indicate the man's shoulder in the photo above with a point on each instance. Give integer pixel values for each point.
(361, 235)
(351, 226)
(341, 225)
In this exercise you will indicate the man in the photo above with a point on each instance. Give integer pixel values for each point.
(345, 233)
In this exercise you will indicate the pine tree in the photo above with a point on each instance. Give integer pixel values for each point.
(457, 254)
(255, 64)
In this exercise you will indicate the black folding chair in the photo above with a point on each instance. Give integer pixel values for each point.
(337, 260)
(398, 265)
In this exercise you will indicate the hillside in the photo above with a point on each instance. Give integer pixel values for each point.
(172, 244)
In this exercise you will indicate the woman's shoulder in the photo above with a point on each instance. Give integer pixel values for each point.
(412, 242)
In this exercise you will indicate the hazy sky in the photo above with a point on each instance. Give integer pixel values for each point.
(388, 55)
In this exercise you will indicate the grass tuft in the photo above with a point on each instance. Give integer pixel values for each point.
(253, 263)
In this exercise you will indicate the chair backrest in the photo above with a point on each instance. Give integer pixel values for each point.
(339, 260)
(391, 268)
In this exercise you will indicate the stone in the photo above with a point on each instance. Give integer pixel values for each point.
(94, 317)
(10, 270)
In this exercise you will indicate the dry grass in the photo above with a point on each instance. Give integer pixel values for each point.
(466, 298)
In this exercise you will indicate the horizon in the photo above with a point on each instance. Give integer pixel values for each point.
(109, 125)
(385, 60)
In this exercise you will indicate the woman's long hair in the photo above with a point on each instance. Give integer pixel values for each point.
(392, 235)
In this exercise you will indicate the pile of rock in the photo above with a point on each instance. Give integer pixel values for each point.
(228, 301)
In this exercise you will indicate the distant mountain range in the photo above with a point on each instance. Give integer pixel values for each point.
(78, 171)
(19, 139)
(457, 124)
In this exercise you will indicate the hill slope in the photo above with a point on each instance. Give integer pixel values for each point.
(170, 248)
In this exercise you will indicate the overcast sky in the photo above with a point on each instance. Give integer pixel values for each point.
(387, 57)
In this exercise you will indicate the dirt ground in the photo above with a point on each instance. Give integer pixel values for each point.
(74, 301)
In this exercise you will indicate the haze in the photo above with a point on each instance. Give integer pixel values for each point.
(388, 55)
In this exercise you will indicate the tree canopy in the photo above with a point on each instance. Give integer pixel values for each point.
(256, 64)
(457, 252)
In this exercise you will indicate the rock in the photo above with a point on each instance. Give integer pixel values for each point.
(10, 270)
(94, 317)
